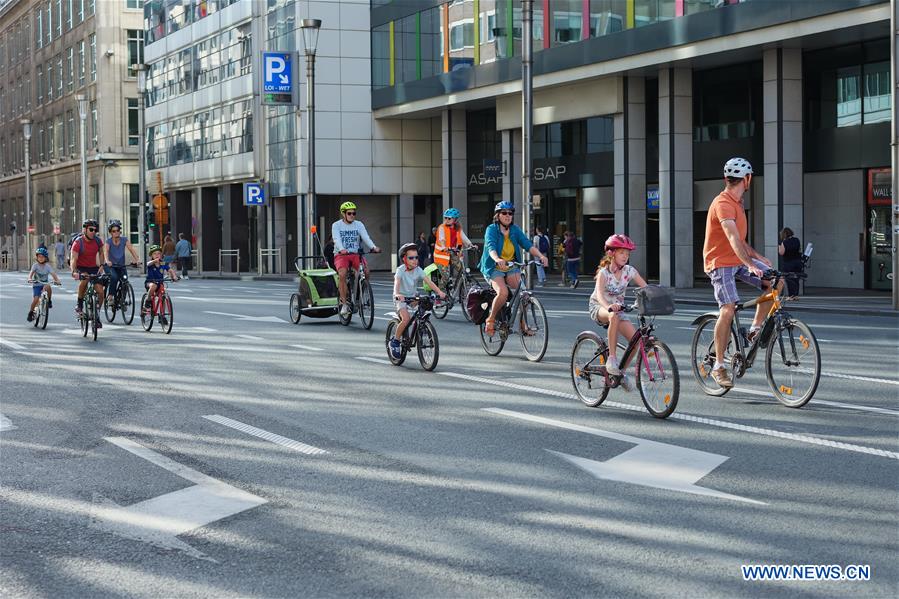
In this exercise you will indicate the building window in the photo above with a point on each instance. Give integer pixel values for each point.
(567, 21)
(90, 7)
(41, 142)
(137, 4)
(133, 132)
(607, 16)
(59, 75)
(462, 36)
(70, 69)
(60, 138)
(51, 140)
(50, 80)
(48, 20)
(39, 28)
(28, 92)
(93, 44)
(95, 135)
(877, 92)
(79, 11)
(81, 63)
(132, 192)
(70, 131)
(69, 15)
(58, 18)
(135, 50)
(39, 80)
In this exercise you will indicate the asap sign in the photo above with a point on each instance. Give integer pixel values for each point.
(548, 173)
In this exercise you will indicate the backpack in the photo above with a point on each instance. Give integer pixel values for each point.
(478, 303)
(78, 239)
(543, 244)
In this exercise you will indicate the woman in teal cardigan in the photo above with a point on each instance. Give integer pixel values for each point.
(501, 242)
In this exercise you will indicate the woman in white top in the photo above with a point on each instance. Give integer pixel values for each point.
(612, 278)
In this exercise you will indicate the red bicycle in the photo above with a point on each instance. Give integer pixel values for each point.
(159, 306)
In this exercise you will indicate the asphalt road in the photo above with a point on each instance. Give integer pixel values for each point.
(246, 456)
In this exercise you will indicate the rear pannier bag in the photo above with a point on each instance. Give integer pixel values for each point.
(653, 300)
(478, 303)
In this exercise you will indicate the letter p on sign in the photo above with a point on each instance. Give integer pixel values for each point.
(253, 194)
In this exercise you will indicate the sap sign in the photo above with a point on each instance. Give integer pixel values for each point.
(549, 172)
(253, 194)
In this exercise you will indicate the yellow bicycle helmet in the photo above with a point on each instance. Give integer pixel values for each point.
(347, 206)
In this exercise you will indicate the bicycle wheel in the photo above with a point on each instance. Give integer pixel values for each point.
(391, 331)
(84, 322)
(793, 363)
(146, 313)
(90, 307)
(463, 296)
(589, 353)
(533, 316)
(127, 304)
(295, 313)
(366, 304)
(37, 313)
(492, 345)
(658, 379)
(702, 356)
(167, 314)
(45, 311)
(442, 306)
(109, 307)
(428, 346)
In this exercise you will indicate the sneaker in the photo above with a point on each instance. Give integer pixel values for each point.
(186, 278)
(344, 310)
(99, 323)
(626, 383)
(30, 317)
(163, 321)
(79, 312)
(720, 376)
(396, 348)
(575, 284)
(752, 334)
(49, 304)
(612, 367)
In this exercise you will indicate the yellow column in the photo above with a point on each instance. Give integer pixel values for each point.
(392, 56)
(477, 32)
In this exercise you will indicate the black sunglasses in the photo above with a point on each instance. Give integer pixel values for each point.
(350, 213)
(91, 229)
(408, 257)
(506, 213)
(115, 230)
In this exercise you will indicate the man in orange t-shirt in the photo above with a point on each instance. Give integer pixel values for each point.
(727, 257)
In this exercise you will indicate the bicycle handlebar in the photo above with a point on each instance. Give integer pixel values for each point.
(771, 274)
(33, 282)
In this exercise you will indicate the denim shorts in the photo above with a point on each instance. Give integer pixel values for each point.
(37, 289)
(724, 281)
(495, 272)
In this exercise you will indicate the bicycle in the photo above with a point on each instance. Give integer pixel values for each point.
(90, 313)
(787, 341)
(122, 302)
(42, 309)
(360, 297)
(655, 371)
(459, 281)
(420, 334)
(160, 308)
(522, 307)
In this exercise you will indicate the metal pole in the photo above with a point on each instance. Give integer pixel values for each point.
(310, 126)
(82, 115)
(26, 123)
(527, 113)
(894, 106)
(142, 168)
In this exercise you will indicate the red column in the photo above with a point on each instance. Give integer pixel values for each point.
(585, 28)
(547, 28)
(678, 8)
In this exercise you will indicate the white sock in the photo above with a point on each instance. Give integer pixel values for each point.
(612, 360)
(717, 365)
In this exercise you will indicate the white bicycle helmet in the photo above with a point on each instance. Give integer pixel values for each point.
(737, 167)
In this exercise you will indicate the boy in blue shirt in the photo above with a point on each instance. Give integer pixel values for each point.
(40, 274)
(156, 273)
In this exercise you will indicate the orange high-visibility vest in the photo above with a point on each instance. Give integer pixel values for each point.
(453, 239)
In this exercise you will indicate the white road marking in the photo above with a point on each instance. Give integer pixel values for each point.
(306, 347)
(11, 344)
(160, 520)
(853, 377)
(250, 337)
(808, 439)
(383, 318)
(263, 434)
(816, 339)
(6, 424)
(374, 360)
(836, 404)
(249, 318)
(197, 329)
(649, 464)
(241, 301)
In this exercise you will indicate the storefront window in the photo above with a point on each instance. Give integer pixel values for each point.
(567, 21)
(848, 100)
(877, 92)
(607, 16)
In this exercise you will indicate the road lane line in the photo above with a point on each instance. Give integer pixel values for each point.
(374, 360)
(6, 424)
(826, 402)
(852, 377)
(801, 438)
(12, 345)
(263, 434)
(250, 337)
(306, 347)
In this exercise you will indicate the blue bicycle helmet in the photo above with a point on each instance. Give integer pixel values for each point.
(451, 213)
(42, 252)
(504, 205)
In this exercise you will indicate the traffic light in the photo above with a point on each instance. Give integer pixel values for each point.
(151, 220)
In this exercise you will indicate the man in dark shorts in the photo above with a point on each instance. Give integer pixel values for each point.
(86, 258)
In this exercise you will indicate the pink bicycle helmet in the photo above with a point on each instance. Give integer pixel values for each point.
(620, 241)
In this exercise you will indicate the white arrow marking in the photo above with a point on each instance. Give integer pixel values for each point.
(12, 344)
(264, 434)
(649, 464)
(160, 520)
(284, 79)
(245, 317)
(6, 424)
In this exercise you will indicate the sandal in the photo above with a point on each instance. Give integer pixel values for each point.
(490, 327)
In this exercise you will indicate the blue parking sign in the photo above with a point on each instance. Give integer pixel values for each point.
(253, 194)
(277, 70)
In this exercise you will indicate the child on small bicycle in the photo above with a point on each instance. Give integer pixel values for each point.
(612, 279)
(40, 274)
(156, 268)
(405, 284)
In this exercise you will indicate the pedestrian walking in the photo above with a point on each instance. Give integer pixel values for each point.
(790, 259)
(432, 241)
(168, 249)
(572, 257)
(60, 248)
(424, 250)
(183, 252)
(541, 240)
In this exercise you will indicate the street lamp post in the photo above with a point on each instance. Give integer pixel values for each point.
(82, 115)
(142, 163)
(310, 29)
(26, 133)
(527, 123)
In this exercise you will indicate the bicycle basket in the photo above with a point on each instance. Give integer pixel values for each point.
(653, 300)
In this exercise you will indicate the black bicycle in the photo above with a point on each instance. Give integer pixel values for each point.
(459, 281)
(525, 310)
(42, 309)
(90, 313)
(122, 302)
(420, 333)
(360, 297)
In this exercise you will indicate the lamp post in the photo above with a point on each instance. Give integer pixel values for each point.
(527, 121)
(310, 29)
(142, 163)
(26, 133)
(82, 115)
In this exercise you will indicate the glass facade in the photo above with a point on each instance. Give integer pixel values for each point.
(281, 121)
(461, 34)
(217, 132)
(162, 17)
